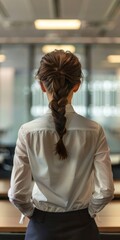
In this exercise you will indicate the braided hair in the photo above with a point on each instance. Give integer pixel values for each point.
(60, 71)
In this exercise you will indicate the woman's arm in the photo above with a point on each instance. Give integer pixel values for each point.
(20, 191)
(103, 179)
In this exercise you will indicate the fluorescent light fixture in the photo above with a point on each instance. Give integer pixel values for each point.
(50, 48)
(2, 58)
(113, 58)
(57, 24)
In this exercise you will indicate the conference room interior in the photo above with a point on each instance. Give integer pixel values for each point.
(97, 45)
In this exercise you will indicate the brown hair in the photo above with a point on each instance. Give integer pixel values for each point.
(60, 71)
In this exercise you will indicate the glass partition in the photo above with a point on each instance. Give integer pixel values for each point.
(105, 92)
(14, 90)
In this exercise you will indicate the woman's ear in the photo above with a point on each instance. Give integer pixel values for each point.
(76, 87)
(42, 87)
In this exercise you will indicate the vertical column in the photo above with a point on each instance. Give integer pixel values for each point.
(88, 79)
(30, 77)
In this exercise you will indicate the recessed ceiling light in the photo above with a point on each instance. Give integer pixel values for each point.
(113, 58)
(50, 48)
(2, 58)
(57, 24)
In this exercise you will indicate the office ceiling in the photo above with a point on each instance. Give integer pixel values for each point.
(100, 18)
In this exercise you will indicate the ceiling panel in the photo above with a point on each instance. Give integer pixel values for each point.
(42, 8)
(27, 10)
(87, 10)
(96, 10)
(70, 8)
(18, 10)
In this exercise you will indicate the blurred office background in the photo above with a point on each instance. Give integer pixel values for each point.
(97, 45)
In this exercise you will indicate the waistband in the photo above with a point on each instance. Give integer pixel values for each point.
(61, 216)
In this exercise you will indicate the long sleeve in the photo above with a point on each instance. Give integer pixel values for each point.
(21, 179)
(103, 191)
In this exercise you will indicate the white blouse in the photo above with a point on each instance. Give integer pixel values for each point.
(83, 180)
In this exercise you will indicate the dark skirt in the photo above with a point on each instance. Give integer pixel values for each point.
(74, 225)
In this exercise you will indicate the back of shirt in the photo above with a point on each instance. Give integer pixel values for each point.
(82, 180)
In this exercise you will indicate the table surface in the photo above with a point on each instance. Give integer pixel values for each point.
(108, 220)
(117, 188)
(9, 218)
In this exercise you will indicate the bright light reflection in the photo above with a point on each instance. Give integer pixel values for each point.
(50, 48)
(57, 24)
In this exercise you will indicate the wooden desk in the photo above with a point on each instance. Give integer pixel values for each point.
(117, 189)
(9, 218)
(108, 219)
(4, 186)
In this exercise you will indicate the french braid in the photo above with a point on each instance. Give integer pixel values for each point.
(59, 71)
